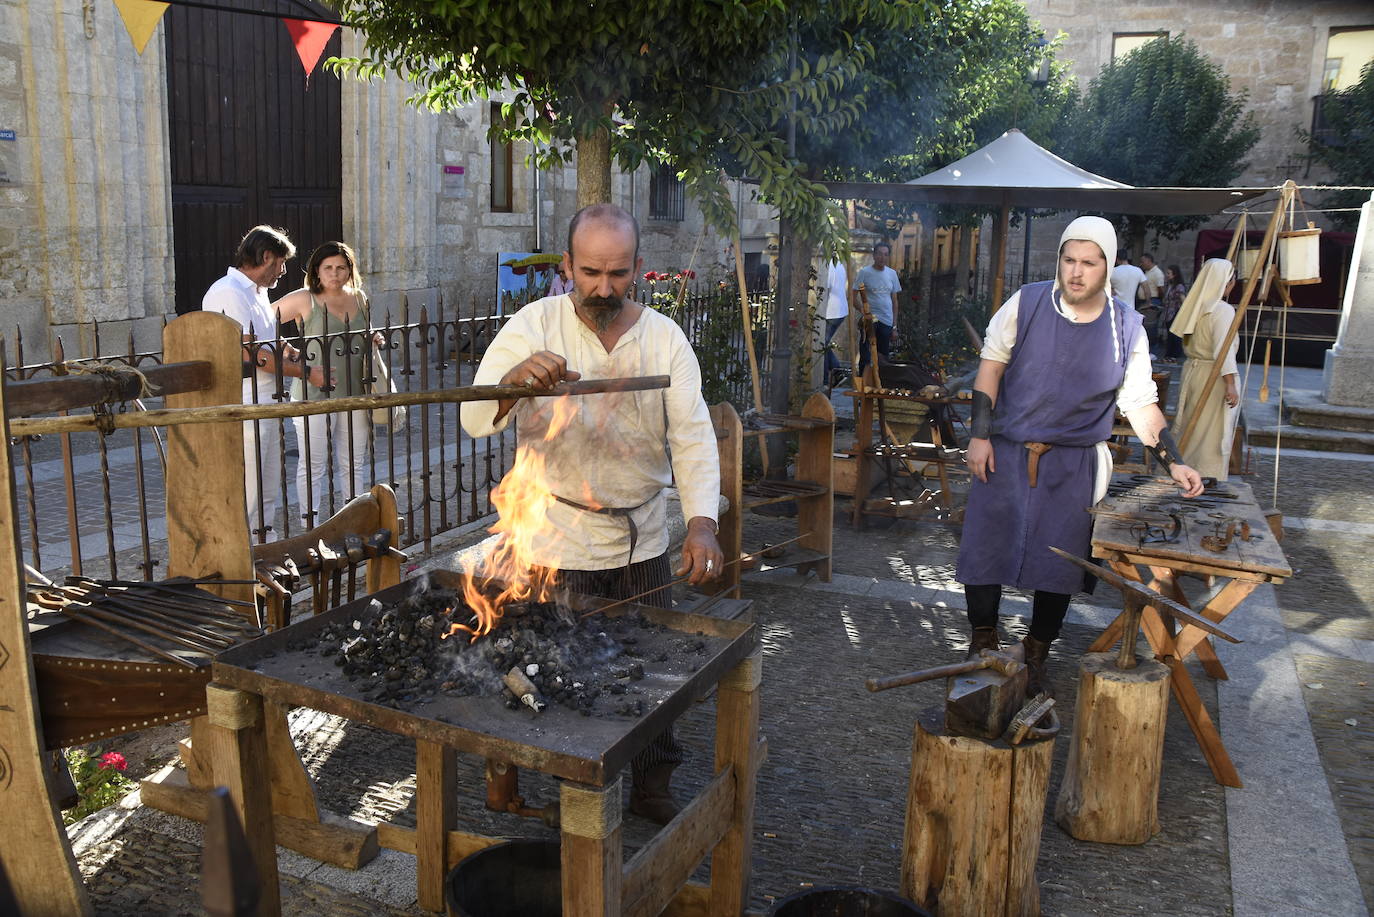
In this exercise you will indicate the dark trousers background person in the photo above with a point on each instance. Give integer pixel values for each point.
(882, 335)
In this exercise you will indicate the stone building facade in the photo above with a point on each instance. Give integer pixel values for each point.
(1283, 53)
(84, 177)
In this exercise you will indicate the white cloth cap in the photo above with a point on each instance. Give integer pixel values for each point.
(1208, 288)
(1091, 229)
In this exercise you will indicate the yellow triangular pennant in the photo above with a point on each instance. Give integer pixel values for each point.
(141, 18)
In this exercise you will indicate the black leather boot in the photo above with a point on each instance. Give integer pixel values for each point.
(651, 796)
(1037, 653)
(984, 638)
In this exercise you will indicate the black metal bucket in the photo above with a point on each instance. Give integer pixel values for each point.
(845, 901)
(520, 878)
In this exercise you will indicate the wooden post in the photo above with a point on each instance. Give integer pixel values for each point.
(34, 851)
(815, 462)
(730, 531)
(207, 514)
(973, 817)
(243, 768)
(999, 256)
(1110, 791)
(385, 570)
(591, 851)
(737, 729)
(436, 814)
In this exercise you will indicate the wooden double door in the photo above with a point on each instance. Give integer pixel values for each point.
(251, 141)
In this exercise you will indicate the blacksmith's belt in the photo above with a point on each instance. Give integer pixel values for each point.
(1033, 459)
(622, 512)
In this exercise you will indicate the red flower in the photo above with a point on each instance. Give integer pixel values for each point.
(113, 759)
(651, 276)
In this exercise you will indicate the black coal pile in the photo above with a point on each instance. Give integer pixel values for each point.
(408, 654)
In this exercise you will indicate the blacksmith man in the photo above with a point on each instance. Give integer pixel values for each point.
(607, 532)
(1060, 357)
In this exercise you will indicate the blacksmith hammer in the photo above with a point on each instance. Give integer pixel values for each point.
(983, 694)
(1136, 596)
(332, 560)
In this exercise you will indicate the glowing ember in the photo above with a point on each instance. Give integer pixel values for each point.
(522, 502)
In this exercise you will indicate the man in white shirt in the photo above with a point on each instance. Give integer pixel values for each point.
(881, 285)
(241, 294)
(1126, 279)
(1151, 293)
(605, 531)
(836, 311)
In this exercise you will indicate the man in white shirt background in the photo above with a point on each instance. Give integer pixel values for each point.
(881, 285)
(1152, 294)
(241, 294)
(836, 310)
(1126, 279)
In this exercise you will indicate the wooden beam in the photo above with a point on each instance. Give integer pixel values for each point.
(460, 844)
(436, 814)
(591, 849)
(65, 393)
(652, 878)
(737, 729)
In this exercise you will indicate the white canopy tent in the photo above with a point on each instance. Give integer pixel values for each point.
(1015, 171)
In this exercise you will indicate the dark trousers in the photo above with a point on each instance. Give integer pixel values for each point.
(832, 362)
(1047, 610)
(621, 583)
(882, 336)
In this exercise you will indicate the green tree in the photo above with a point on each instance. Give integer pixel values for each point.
(1163, 115)
(700, 85)
(1347, 147)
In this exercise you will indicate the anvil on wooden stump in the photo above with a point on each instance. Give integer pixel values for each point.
(984, 693)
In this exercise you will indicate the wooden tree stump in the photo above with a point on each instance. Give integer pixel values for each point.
(1110, 792)
(973, 818)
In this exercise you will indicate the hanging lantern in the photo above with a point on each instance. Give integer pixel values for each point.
(1299, 260)
(1245, 262)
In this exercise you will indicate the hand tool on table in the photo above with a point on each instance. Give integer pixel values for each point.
(353, 548)
(171, 587)
(332, 562)
(176, 603)
(1137, 596)
(983, 695)
(1224, 531)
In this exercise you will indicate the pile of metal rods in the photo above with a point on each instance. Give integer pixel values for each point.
(134, 611)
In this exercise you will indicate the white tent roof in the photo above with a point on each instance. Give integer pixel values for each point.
(1015, 171)
(1014, 160)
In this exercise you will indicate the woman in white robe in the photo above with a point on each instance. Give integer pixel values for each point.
(1202, 323)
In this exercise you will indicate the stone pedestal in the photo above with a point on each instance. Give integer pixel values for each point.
(1348, 374)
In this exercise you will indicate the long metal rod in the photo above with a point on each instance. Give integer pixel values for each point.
(237, 412)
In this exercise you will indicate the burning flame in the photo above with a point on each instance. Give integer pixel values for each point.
(522, 502)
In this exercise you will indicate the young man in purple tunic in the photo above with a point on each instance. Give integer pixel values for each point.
(1060, 357)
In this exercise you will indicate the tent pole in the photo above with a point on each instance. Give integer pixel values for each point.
(1025, 249)
(999, 255)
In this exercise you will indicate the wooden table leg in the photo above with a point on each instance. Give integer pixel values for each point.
(737, 728)
(242, 767)
(1222, 604)
(591, 851)
(1107, 639)
(436, 813)
(1189, 701)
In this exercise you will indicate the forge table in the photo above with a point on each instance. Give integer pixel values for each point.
(588, 753)
(1232, 574)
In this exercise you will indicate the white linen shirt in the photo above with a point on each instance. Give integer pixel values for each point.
(245, 302)
(622, 448)
(1137, 388)
(836, 291)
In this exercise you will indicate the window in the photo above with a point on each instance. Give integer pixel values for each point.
(502, 199)
(667, 201)
(1348, 52)
(1124, 43)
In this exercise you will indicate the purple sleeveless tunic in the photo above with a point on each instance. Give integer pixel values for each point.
(1060, 387)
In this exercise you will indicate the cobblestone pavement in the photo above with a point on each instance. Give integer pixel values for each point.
(832, 793)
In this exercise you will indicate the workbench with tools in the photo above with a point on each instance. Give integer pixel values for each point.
(1223, 537)
(885, 444)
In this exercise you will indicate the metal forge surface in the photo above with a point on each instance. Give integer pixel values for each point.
(558, 741)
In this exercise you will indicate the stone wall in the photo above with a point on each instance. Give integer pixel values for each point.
(87, 233)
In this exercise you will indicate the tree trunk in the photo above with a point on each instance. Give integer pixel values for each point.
(805, 340)
(1110, 791)
(973, 818)
(594, 168)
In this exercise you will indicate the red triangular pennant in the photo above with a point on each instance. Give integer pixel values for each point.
(309, 39)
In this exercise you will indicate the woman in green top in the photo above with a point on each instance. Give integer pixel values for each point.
(331, 310)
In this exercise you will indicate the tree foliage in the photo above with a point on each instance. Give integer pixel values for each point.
(702, 86)
(1347, 147)
(1163, 115)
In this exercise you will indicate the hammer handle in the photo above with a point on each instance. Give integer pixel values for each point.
(939, 671)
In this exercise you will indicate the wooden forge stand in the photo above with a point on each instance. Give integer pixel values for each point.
(588, 753)
(908, 458)
(973, 816)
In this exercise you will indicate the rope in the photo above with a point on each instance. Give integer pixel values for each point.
(112, 376)
(1278, 430)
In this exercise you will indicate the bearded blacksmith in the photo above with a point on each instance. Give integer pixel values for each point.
(606, 534)
(1059, 359)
